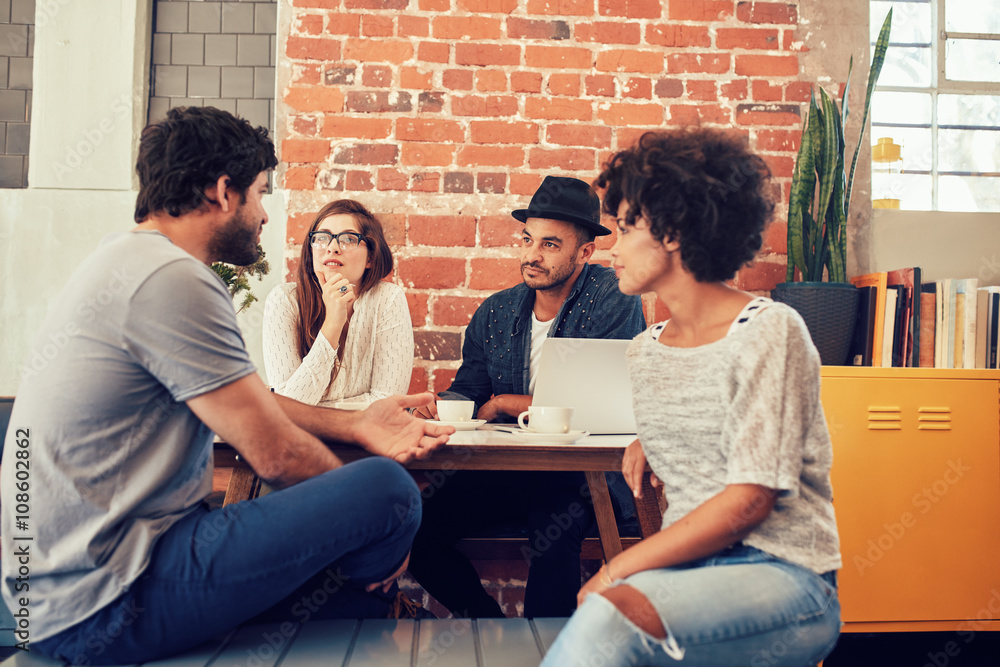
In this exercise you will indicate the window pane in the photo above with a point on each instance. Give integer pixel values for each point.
(911, 21)
(969, 150)
(906, 66)
(972, 60)
(908, 108)
(968, 193)
(915, 145)
(914, 192)
(970, 16)
(969, 110)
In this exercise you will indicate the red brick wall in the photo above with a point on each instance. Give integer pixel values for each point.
(444, 115)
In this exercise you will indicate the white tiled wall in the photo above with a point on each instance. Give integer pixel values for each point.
(217, 54)
(17, 33)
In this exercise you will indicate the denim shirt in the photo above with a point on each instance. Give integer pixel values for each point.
(497, 349)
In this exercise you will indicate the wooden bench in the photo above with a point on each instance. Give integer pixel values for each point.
(502, 642)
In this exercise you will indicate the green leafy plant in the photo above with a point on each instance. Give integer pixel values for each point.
(237, 278)
(821, 195)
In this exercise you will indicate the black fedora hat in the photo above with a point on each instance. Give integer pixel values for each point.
(568, 199)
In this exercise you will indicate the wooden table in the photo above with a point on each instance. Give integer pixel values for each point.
(485, 449)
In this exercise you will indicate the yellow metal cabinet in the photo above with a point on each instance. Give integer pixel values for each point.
(916, 483)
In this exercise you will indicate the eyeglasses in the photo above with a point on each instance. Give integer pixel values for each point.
(345, 240)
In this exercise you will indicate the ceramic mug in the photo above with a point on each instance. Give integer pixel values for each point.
(544, 419)
(455, 411)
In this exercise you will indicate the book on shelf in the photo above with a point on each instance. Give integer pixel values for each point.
(877, 280)
(987, 313)
(889, 324)
(994, 330)
(945, 328)
(909, 279)
(968, 324)
(982, 327)
(901, 331)
(904, 322)
(927, 301)
(958, 331)
(864, 328)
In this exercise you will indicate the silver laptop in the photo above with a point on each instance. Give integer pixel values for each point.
(590, 376)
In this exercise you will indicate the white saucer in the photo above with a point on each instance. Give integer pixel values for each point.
(555, 438)
(470, 425)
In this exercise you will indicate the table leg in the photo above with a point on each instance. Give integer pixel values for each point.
(611, 541)
(243, 485)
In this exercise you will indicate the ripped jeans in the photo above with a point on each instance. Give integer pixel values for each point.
(739, 607)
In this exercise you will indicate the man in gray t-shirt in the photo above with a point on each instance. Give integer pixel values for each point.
(136, 367)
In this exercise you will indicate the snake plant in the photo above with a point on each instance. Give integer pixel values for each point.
(821, 196)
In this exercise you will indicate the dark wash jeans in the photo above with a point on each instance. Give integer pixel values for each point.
(302, 553)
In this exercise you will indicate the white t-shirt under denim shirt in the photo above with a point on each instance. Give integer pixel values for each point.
(115, 455)
(539, 332)
(742, 410)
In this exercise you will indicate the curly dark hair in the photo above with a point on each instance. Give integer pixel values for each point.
(189, 150)
(701, 187)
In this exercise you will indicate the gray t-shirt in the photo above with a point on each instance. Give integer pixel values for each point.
(116, 456)
(742, 410)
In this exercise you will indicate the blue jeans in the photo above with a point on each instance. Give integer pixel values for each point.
(739, 607)
(302, 553)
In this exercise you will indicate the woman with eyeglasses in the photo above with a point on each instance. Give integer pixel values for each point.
(340, 333)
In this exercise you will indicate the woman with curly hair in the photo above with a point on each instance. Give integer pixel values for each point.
(727, 405)
(340, 333)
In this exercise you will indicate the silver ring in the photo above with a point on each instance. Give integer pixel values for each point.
(343, 289)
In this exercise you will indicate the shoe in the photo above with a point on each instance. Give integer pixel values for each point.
(403, 607)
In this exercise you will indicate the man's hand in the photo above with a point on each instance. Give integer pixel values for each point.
(504, 404)
(387, 429)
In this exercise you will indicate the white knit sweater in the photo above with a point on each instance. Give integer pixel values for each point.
(378, 352)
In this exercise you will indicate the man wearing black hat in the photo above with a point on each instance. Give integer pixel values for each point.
(561, 295)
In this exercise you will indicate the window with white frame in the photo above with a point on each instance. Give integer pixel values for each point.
(939, 98)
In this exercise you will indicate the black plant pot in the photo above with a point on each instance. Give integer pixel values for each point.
(829, 310)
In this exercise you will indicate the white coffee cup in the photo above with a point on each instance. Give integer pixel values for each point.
(545, 419)
(455, 411)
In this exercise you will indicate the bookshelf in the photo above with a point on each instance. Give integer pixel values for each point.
(916, 481)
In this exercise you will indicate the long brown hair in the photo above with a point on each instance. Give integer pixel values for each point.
(309, 293)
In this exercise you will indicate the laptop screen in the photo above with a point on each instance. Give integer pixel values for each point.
(590, 376)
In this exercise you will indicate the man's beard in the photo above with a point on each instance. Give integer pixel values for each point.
(236, 241)
(552, 279)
